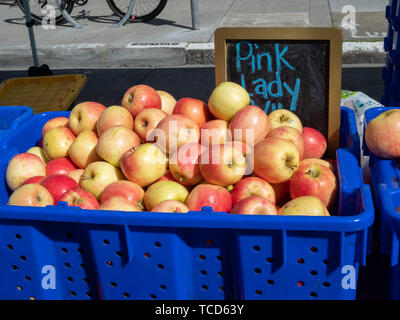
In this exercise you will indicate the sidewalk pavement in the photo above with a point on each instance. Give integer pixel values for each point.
(169, 39)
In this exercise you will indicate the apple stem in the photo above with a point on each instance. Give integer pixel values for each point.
(312, 174)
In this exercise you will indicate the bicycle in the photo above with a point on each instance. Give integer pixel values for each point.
(144, 10)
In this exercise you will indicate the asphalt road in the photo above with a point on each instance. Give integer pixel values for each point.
(107, 86)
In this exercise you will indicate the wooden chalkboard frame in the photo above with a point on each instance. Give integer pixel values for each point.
(333, 35)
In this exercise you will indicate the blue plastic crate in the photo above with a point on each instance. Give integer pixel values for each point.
(389, 206)
(385, 178)
(388, 40)
(387, 71)
(391, 12)
(198, 255)
(12, 117)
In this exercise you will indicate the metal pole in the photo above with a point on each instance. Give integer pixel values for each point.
(195, 14)
(29, 24)
(68, 17)
(127, 15)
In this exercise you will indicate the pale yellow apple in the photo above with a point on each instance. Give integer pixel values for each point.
(39, 152)
(168, 101)
(83, 150)
(304, 206)
(57, 141)
(283, 117)
(227, 99)
(164, 190)
(97, 176)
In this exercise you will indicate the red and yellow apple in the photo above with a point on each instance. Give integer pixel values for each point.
(58, 184)
(184, 164)
(314, 180)
(174, 131)
(195, 109)
(60, 166)
(140, 97)
(146, 121)
(315, 143)
(31, 195)
(222, 164)
(290, 134)
(55, 122)
(118, 203)
(114, 142)
(275, 160)
(35, 179)
(252, 186)
(382, 134)
(208, 195)
(83, 150)
(255, 205)
(22, 167)
(79, 197)
(319, 161)
(144, 164)
(250, 125)
(215, 132)
(170, 206)
(84, 116)
(126, 189)
(114, 116)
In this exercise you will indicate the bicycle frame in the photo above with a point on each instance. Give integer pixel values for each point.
(194, 11)
(75, 24)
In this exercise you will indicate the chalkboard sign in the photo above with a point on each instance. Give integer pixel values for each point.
(298, 69)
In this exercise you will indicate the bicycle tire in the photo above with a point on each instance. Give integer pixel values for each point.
(154, 10)
(68, 5)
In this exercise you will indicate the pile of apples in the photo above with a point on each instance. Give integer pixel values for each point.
(154, 153)
(382, 134)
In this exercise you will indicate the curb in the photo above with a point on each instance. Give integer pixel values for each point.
(136, 55)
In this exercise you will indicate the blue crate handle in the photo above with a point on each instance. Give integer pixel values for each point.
(17, 115)
(386, 202)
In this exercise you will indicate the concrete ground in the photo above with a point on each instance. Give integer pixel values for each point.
(169, 39)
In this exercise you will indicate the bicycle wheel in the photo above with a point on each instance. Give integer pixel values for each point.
(38, 5)
(143, 11)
